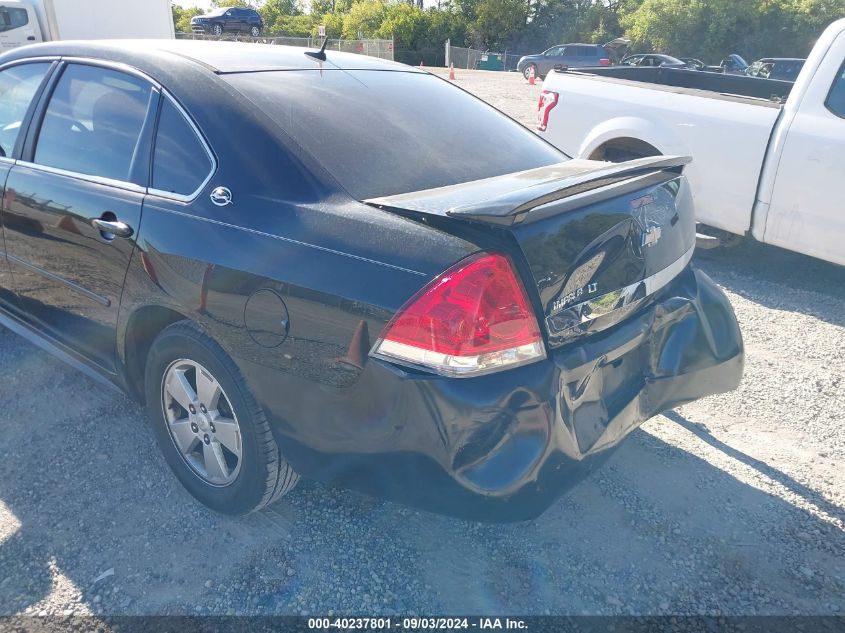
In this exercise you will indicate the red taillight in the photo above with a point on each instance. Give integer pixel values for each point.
(473, 319)
(604, 62)
(548, 100)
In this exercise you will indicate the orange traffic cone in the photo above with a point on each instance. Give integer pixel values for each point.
(531, 76)
(359, 347)
(451, 72)
(421, 64)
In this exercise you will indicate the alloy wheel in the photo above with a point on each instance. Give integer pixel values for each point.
(201, 422)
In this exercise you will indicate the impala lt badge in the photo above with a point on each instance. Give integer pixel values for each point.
(221, 196)
(589, 289)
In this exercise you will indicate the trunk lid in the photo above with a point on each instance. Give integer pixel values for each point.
(617, 48)
(598, 239)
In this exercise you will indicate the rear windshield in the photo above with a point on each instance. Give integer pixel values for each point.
(383, 133)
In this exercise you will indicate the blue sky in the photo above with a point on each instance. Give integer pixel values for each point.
(202, 4)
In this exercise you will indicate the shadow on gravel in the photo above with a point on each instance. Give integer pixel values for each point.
(658, 530)
(771, 276)
(806, 493)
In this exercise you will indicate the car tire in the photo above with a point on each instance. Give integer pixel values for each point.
(217, 30)
(222, 451)
(526, 72)
(255, 31)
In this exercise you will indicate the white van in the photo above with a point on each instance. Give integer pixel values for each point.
(30, 21)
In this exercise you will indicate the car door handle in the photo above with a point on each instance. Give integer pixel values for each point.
(112, 228)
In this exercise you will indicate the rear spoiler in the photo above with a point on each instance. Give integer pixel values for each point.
(515, 198)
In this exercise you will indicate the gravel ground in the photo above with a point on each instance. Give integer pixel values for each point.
(732, 505)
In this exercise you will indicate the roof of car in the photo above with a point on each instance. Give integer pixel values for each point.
(218, 57)
(767, 60)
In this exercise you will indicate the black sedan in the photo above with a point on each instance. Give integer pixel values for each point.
(345, 269)
(654, 59)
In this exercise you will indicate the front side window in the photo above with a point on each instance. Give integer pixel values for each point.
(11, 18)
(18, 86)
(93, 123)
(180, 162)
(836, 98)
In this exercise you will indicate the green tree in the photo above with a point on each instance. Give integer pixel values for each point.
(497, 23)
(182, 18)
(333, 23)
(711, 29)
(364, 19)
(407, 24)
(277, 16)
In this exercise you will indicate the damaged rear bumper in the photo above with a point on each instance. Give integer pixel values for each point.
(504, 447)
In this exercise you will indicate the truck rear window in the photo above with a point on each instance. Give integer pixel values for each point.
(11, 18)
(384, 133)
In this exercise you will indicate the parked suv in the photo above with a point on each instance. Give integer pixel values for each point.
(568, 55)
(231, 19)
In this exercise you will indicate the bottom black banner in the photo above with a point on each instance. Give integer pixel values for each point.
(585, 624)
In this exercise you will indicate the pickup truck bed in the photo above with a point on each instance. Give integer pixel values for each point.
(710, 85)
(766, 154)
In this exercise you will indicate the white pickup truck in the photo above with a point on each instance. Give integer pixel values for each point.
(768, 156)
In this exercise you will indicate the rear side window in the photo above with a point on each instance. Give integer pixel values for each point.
(11, 18)
(18, 86)
(93, 123)
(180, 161)
(382, 133)
(836, 98)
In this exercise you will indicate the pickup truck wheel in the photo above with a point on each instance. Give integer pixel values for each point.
(526, 72)
(214, 435)
(217, 30)
(624, 149)
(255, 31)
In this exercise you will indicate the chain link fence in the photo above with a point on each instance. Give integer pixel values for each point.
(383, 49)
(483, 60)
(462, 57)
(425, 56)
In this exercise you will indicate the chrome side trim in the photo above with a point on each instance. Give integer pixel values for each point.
(99, 180)
(586, 311)
(29, 60)
(61, 280)
(128, 186)
(167, 195)
(118, 66)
